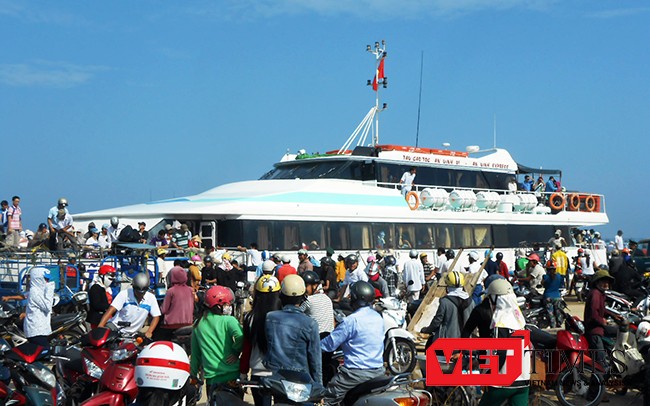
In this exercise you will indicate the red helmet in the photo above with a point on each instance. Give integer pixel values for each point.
(551, 264)
(218, 295)
(105, 269)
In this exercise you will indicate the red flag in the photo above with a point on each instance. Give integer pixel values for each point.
(379, 74)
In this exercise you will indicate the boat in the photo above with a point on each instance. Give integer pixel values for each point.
(350, 199)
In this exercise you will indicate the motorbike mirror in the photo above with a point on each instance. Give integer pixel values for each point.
(4, 345)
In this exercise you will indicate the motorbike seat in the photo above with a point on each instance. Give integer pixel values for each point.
(76, 362)
(542, 340)
(61, 319)
(364, 388)
(183, 331)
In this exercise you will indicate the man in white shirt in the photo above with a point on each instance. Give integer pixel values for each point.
(256, 256)
(446, 267)
(413, 276)
(618, 241)
(133, 306)
(407, 181)
(475, 266)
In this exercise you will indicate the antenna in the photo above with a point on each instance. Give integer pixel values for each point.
(417, 131)
(495, 131)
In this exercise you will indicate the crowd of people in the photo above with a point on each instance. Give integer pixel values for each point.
(291, 324)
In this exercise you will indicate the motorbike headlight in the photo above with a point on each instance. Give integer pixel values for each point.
(122, 354)
(297, 392)
(43, 374)
(92, 369)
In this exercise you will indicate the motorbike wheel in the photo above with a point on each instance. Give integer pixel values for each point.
(405, 360)
(572, 393)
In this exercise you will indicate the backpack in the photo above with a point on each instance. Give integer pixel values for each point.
(128, 234)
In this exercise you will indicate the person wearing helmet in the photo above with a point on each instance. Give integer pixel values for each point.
(38, 312)
(557, 239)
(361, 338)
(133, 305)
(377, 282)
(552, 282)
(217, 340)
(615, 262)
(597, 241)
(390, 274)
(266, 298)
(499, 316)
(628, 280)
(266, 268)
(104, 240)
(41, 237)
(427, 266)
(502, 267)
(594, 317)
(453, 309)
(208, 272)
(100, 294)
(293, 341)
(114, 230)
(353, 272)
(304, 264)
(62, 204)
(413, 277)
(178, 305)
(318, 305)
(449, 266)
(534, 275)
(286, 268)
(329, 281)
(162, 373)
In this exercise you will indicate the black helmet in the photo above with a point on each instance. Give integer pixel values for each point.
(327, 261)
(361, 294)
(350, 259)
(310, 277)
(499, 255)
(450, 254)
(390, 260)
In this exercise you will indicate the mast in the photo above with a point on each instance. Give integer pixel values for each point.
(370, 122)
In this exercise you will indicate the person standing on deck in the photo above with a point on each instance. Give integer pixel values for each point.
(618, 241)
(15, 223)
(407, 181)
(413, 277)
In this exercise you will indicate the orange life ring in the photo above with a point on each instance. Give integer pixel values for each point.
(413, 203)
(574, 202)
(590, 203)
(557, 205)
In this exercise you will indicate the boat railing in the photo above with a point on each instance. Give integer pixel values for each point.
(558, 201)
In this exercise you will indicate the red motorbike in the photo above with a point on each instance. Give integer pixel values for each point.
(117, 382)
(569, 368)
(80, 369)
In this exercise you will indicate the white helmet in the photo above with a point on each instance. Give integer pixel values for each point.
(413, 253)
(115, 221)
(163, 365)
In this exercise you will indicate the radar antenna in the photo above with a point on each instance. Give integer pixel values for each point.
(370, 122)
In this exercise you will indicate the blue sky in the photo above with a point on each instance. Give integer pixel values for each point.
(113, 103)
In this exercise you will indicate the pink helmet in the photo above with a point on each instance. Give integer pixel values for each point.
(196, 258)
(218, 295)
(533, 257)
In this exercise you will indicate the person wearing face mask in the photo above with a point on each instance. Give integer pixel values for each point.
(133, 306)
(100, 295)
(178, 305)
(38, 312)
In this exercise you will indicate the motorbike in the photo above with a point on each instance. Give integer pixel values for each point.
(399, 343)
(30, 376)
(118, 378)
(79, 366)
(569, 368)
(628, 364)
(69, 325)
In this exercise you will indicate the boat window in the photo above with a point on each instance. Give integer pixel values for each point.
(425, 236)
(405, 236)
(312, 235)
(521, 236)
(482, 237)
(442, 177)
(445, 234)
(338, 236)
(384, 236)
(230, 233)
(333, 169)
(257, 232)
(360, 236)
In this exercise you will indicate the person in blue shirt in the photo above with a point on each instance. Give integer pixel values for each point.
(551, 187)
(527, 184)
(552, 282)
(361, 338)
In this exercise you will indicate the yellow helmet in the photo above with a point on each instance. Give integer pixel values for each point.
(454, 279)
(267, 283)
